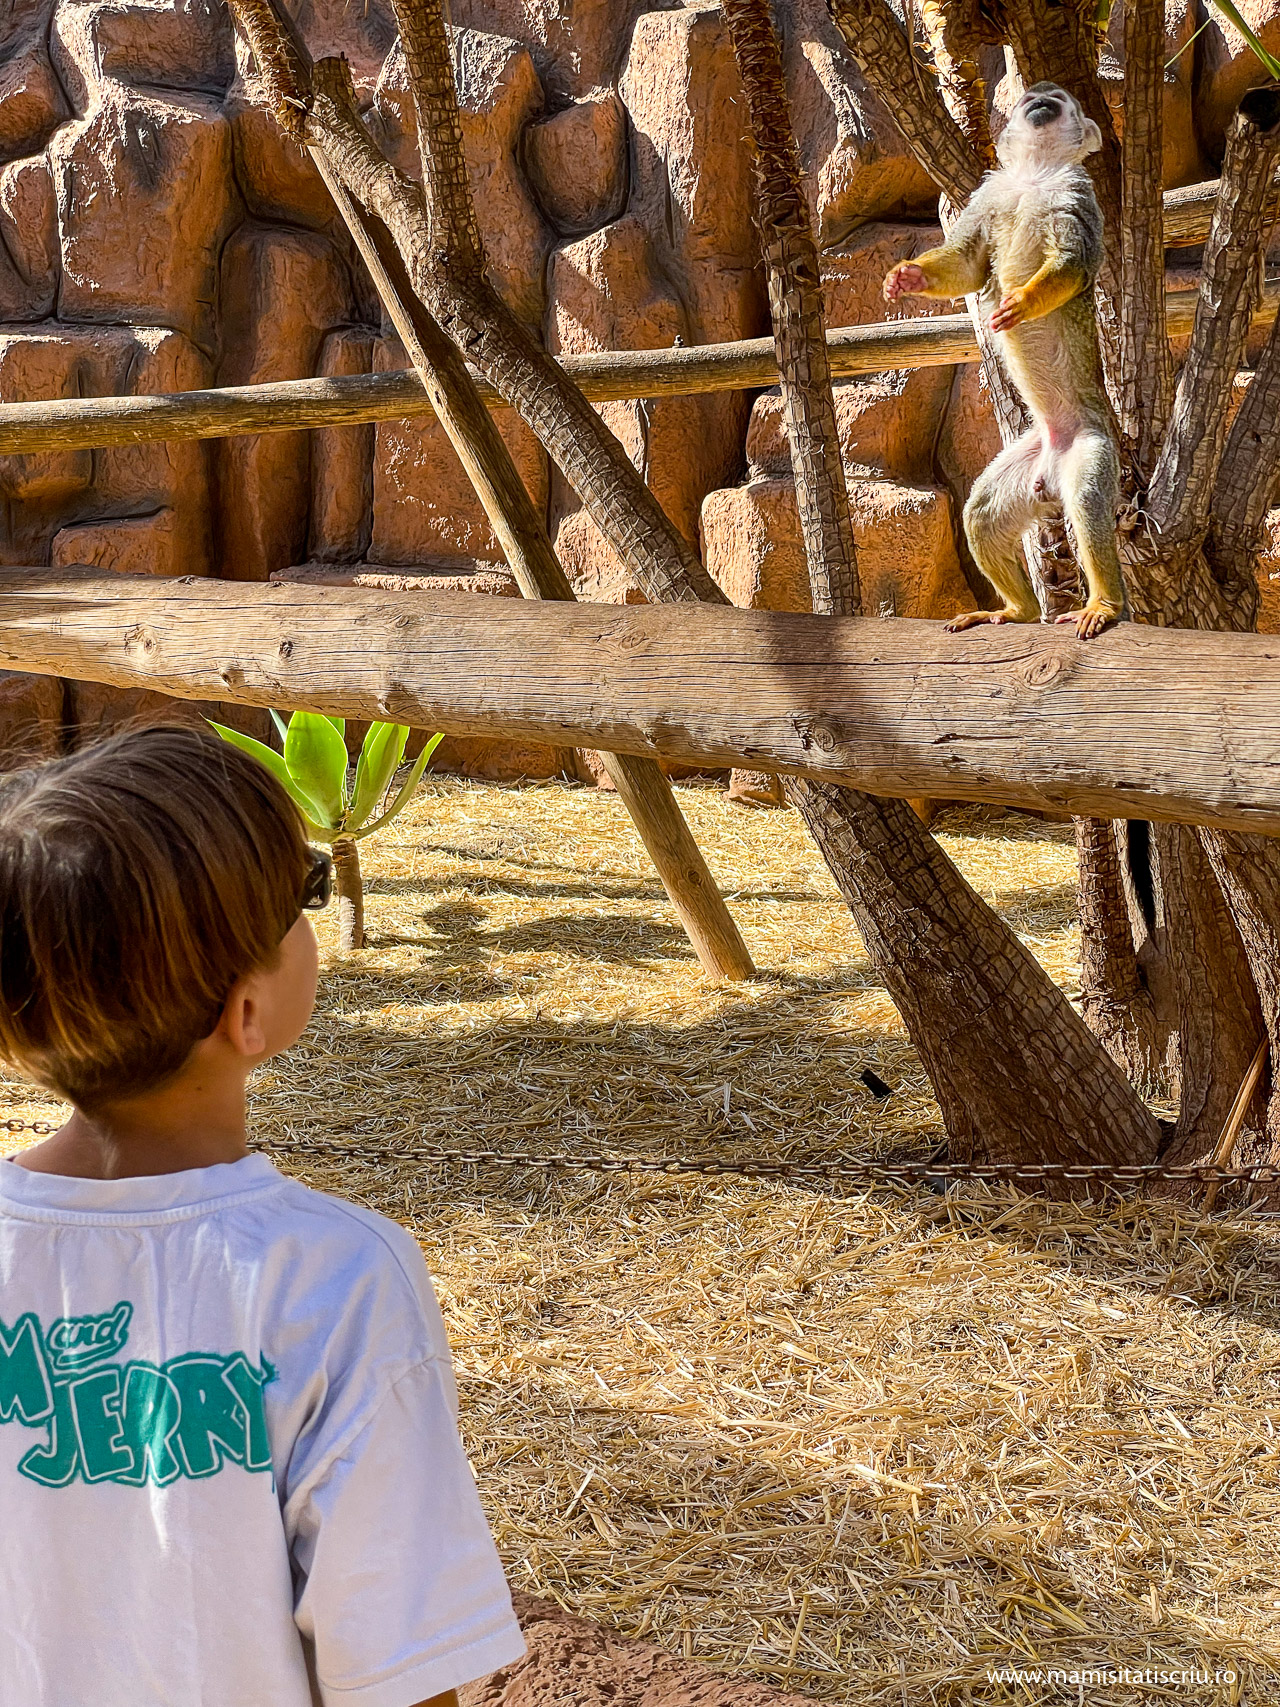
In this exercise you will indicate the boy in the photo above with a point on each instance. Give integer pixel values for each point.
(230, 1472)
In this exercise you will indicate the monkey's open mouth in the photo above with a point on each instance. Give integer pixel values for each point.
(1042, 110)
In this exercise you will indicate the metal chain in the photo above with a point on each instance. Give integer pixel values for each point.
(751, 1167)
(841, 1168)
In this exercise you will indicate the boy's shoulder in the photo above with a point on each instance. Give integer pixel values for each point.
(325, 1214)
(328, 1242)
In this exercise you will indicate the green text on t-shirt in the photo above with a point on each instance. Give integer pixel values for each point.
(131, 1422)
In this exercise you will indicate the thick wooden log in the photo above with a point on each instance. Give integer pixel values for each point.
(79, 423)
(1142, 722)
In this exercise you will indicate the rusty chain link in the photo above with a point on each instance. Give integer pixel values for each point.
(751, 1167)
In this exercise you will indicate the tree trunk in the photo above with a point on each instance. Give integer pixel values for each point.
(1016, 1072)
(349, 888)
(1249, 872)
(1218, 1016)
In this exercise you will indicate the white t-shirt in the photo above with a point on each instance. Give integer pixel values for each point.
(228, 1453)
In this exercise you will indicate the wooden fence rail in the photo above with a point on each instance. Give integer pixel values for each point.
(1142, 722)
(82, 423)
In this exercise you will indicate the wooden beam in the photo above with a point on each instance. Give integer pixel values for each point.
(1142, 722)
(80, 423)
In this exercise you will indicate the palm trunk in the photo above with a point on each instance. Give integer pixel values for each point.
(1016, 1072)
(349, 887)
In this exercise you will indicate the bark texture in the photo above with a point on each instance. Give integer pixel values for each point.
(1116, 1002)
(798, 313)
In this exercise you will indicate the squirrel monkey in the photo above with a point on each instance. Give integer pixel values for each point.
(1030, 241)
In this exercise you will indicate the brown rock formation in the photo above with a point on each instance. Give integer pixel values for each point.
(341, 522)
(499, 93)
(424, 508)
(1227, 67)
(905, 538)
(145, 203)
(32, 99)
(607, 291)
(577, 161)
(29, 234)
(281, 292)
(855, 163)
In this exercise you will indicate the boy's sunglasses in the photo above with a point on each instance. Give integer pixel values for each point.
(318, 886)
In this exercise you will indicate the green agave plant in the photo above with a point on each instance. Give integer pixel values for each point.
(1233, 14)
(313, 769)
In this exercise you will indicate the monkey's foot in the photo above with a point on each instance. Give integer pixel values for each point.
(1095, 616)
(972, 618)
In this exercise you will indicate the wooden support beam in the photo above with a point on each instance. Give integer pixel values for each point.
(80, 423)
(1142, 722)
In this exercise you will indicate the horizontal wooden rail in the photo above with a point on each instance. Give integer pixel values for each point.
(1142, 722)
(82, 423)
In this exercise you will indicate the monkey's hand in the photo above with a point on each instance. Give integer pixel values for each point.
(1011, 312)
(1095, 616)
(906, 279)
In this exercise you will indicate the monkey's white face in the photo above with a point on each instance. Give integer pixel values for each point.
(1047, 128)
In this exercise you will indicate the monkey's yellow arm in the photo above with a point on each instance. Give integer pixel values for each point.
(1056, 283)
(953, 270)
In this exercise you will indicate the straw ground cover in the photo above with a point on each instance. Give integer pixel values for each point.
(865, 1447)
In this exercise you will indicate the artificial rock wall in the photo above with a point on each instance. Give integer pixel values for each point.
(158, 234)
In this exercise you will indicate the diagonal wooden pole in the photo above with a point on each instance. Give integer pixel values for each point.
(473, 433)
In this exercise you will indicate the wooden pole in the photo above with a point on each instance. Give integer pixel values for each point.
(78, 423)
(639, 781)
(1143, 722)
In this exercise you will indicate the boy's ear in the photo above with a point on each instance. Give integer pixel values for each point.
(240, 1024)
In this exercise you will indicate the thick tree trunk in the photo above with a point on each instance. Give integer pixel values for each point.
(1016, 1072)
(348, 886)
(1249, 872)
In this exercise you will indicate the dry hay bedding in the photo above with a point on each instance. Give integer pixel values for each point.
(864, 1446)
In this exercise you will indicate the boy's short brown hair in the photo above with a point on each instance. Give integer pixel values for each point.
(139, 879)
